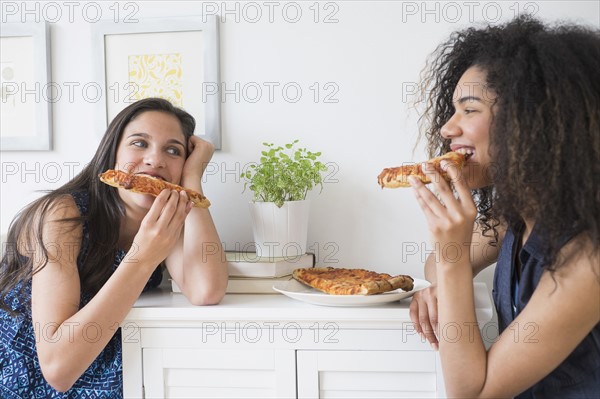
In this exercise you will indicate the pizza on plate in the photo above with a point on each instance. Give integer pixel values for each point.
(146, 184)
(398, 176)
(340, 281)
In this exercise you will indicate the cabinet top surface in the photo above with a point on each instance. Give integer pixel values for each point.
(161, 304)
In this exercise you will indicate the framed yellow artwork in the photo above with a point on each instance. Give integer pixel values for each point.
(173, 58)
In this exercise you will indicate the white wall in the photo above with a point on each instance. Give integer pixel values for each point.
(372, 52)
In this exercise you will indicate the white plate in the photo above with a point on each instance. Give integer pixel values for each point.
(296, 290)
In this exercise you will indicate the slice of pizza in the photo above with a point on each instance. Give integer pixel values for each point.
(340, 281)
(398, 176)
(146, 184)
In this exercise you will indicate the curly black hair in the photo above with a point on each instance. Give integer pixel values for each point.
(545, 133)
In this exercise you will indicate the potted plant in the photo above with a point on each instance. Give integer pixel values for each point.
(279, 210)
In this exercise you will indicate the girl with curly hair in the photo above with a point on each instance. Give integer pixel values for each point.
(79, 257)
(523, 100)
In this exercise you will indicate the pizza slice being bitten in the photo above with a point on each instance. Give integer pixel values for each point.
(146, 184)
(398, 176)
(340, 281)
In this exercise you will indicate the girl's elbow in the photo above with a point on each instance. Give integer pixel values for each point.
(465, 391)
(206, 298)
(55, 376)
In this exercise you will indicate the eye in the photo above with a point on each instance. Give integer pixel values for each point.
(174, 151)
(139, 143)
(469, 110)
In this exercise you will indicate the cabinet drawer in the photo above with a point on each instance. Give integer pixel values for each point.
(367, 374)
(197, 373)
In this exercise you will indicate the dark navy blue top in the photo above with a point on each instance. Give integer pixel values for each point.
(578, 376)
(21, 374)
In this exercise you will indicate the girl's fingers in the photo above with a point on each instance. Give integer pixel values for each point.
(426, 197)
(157, 206)
(441, 186)
(183, 208)
(413, 312)
(184, 205)
(420, 191)
(460, 184)
(432, 310)
(169, 209)
(463, 203)
(175, 211)
(420, 316)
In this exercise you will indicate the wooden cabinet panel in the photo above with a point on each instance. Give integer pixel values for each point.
(220, 373)
(366, 374)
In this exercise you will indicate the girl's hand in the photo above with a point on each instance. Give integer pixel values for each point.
(424, 314)
(160, 228)
(450, 218)
(200, 154)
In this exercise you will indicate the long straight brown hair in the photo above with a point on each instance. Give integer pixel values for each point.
(103, 217)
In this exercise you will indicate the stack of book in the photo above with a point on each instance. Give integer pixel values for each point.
(251, 274)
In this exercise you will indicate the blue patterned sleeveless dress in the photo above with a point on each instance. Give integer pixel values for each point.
(578, 376)
(21, 376)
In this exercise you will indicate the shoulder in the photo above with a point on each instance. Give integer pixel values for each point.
(61, 207)
(47, 213)
(59, 218)
(62, 219)
(53, 226)
(575, 275)
(573, 283)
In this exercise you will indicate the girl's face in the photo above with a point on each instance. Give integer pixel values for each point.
(469, 128)
(152, 143)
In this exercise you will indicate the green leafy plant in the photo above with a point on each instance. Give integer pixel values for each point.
(284, 174)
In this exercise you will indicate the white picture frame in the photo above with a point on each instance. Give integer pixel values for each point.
(181, 52)
(25, 87)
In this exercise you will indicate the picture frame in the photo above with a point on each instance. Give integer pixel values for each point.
(25, 87)
(174, 57)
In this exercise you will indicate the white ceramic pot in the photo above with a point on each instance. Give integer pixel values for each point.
(280, 232)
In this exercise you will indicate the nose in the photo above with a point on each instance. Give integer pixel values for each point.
(154, 158)
(450, 128)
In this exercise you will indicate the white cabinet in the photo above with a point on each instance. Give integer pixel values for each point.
(367, 374)
(270, 346)
(218, 373)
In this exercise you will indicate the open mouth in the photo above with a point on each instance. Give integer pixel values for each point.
(151, 175)
(466, 151)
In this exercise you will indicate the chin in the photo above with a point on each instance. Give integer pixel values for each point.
(478, 182)
(145, 201)
(476, 176)
(477, 186)
(142, 201)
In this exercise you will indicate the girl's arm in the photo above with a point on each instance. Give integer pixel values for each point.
(197, 264)
(424, 304)
(562, 311)
(482, 253)
(68, 339)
